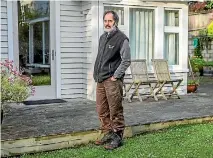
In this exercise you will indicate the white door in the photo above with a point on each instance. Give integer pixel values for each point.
(37, 46)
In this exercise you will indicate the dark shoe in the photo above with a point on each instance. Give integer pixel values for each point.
(115, 142)
(106, 138)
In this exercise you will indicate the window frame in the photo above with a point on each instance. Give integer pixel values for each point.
(43, 22)
(172, 30)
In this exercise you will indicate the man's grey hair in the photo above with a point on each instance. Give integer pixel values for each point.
(115, 16)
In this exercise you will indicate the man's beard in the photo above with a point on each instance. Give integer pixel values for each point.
(109, 29)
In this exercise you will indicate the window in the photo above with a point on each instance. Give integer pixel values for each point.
(34, 32)
(172, 48)
(34, 40)
(39, 42)
(141, 31)
(171, 36)
(119, 11)
(171, 18)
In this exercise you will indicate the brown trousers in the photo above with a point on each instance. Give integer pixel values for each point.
(109, 105)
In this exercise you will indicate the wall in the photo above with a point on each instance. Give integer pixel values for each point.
(73, 50)
(207, 54)
(4, 31)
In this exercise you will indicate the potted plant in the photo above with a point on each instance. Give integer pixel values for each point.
(15, 87)
(192, 86)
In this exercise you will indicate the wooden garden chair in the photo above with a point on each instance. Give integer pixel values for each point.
(140, 77)
(161, 70)
(128, 84)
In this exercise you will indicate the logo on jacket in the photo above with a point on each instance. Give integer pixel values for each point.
(110, 46)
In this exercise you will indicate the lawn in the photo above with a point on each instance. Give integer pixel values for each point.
(186, 141)
(41, 79)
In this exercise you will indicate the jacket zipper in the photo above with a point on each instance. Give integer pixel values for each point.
(101, 57)
(110, 69)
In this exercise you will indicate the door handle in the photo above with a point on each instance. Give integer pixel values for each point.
(53, 55)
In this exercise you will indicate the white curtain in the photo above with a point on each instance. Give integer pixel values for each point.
(172, 48)
(171, 39)
(141, 34)
(171, 18)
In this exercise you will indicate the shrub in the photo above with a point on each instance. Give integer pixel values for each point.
(210, 29)
(15, 87)
(200, 6)
(197, 63)
(209, 4)
(197, 6)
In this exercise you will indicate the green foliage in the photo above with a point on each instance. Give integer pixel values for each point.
(197, 63)
(41, 80)
(15, 87)
(209, 4)
(193, 82)
(185, 141)
(208, 63)
(13, 92)
(210, 29)
(197, 52)
(204, 39)
(200, 7)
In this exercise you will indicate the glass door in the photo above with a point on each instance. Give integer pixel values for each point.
(36, 46)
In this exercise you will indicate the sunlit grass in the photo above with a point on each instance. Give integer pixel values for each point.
(186, 141)
(39, 80)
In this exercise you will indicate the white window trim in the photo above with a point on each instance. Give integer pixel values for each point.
(58, 48)
(12, 18)
(31, 44)
(43, 41)
(146, 3)
(38, 20)
(173, 29)
(183, 38)
(126, 14)
(10, 25)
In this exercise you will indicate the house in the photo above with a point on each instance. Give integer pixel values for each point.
(60, 39)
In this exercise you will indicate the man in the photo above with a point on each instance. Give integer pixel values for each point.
(111, 63)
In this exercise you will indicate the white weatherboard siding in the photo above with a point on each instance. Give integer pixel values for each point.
(4, 31)
(74, 48)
